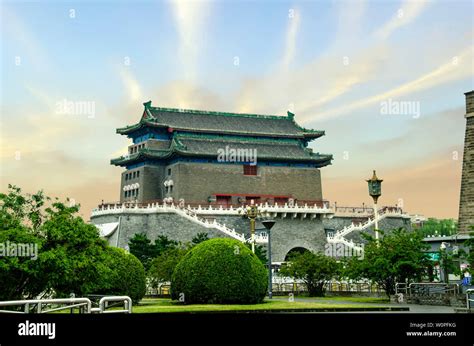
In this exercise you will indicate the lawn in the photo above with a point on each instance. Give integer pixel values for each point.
(154, 305)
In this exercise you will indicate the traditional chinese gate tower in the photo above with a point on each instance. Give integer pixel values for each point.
(177, 155)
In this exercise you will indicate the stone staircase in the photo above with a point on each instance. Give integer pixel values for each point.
(339, 236)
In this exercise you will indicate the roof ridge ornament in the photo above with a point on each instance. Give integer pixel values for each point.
(147, 104)
(290, 115)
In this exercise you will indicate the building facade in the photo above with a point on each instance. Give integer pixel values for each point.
(226, 158)
(190, 172)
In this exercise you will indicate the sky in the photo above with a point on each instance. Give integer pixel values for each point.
(384, 79)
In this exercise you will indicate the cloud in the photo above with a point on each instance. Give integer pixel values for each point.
(291, 34)
(183, 94)
(132, 87)
(409, 11)
(460, 67)
(190, 18)
(17, 31)
(417, 187)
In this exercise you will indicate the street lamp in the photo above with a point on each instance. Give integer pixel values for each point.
(375, 191)
(251, 212)
(268, 225)
(443, 248)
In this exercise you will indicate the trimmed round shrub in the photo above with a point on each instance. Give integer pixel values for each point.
(219, 271)
(122, 274)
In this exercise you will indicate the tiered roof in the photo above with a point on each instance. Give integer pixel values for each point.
(203, 133)
(220, 122)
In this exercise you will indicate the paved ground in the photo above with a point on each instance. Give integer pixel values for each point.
(414, 308)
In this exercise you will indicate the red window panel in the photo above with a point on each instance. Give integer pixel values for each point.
(250, 169)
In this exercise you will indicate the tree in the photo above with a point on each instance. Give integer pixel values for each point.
(163, 243)
(260, 252)
(315, 269)
(162, 267)
(142, 248)
(20, 276)
(199, 238)
(442, 227)
(70, 256)
(123, 274)
(219, 271)
(396, 257)
(470, 245)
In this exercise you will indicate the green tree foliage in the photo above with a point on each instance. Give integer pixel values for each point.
(122, 274)
(142, 247)
(397, 257)
(219, 271)
(260, 252)
(71, 255)
(315, 269)
(470, 244)
(437, 227)
(20, 276)
(162, 267)
(199, 238)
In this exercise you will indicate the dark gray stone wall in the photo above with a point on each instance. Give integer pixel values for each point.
(466, 202)
(195, 182)
(172, 225)
(287, 234)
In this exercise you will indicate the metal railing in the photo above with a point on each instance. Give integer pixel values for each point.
(84, 305)
(36, 305)
(470, 301)
(431, 288)
(103, 305)
(401, 287)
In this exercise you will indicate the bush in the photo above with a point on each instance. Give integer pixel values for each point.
(122, 274)
(162, 267)
(219, 271)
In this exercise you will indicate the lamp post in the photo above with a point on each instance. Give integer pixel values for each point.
(252, 212)
(375, 191)
(268, 225)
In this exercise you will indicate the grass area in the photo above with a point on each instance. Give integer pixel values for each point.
(154, 305)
